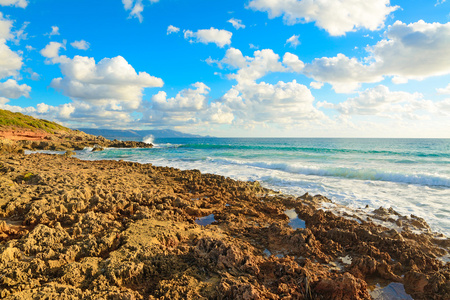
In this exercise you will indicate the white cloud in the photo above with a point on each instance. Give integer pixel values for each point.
(336, 17)
(343, 73)
(219, 37)
(136, 7)
(285, 103)
(234, 58)
(293, 41)
(187, 107)
(256, 104)
(172, 29)
(219, 113)
(55, 31)
(316, 85)
(5, 28)
(16, 3)
(10, 61)
(414, 51)
(186, 100)
(293, 62)
(21, 34)
(112, 83)
(237, 24)
(11, 89)
(380, 101)
(252, 68)
(444, 91)
(51, 51)
(106, 93)
(81, 45)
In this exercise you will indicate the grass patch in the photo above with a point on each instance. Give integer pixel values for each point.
(11, 119)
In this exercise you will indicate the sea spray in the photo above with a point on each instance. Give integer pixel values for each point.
(149, 139)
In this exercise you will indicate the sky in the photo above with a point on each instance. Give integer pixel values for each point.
(252, 68)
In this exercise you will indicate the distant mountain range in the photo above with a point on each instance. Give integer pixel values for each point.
(137, 134)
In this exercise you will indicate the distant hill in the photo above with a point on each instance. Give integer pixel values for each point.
(137, 134)
(12, 120)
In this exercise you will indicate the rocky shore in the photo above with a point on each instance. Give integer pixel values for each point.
(72, 229)
(20, 140)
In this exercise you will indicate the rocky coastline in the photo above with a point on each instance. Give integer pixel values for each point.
(14, 140)
(72, 229)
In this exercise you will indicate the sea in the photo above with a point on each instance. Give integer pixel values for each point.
(410, 175)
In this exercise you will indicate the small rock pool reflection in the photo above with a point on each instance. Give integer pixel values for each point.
(294, 221)
(205, 220)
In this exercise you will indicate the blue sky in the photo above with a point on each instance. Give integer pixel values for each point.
(275, 68)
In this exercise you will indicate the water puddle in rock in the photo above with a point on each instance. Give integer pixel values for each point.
(393, 291)
(294, 221)
(205, 220)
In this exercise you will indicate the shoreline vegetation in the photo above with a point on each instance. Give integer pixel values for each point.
(73, 229)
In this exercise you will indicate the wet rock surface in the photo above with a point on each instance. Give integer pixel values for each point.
(72, 229)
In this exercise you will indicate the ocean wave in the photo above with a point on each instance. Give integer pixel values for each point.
(286, 148)
(345, 172)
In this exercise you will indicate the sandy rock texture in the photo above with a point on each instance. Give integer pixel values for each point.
(72, 229)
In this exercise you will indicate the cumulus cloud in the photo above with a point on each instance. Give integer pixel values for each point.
(257, 103)
(112, 82)
(262, 63)
(11, 89)
(380, 101)
(81, 45)
(410, 51)
(219, 113)
(16, 3)
(172, 29)
(281, 103)
(107, 92)
(444, 91)
(414, 51)
(5, 28)
(293, 41)
(55, 31)
(10, 65)
(316, 85)
(187, 106)
(252, 68)
(51, 51)
(237, 24)
(10, 61)
(136, 7)
(293, 63)
(186, 100)
(336, 17)
(343, 73)
(220, 37)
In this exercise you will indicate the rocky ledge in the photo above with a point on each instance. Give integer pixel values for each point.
(71, 229)
(62, 141)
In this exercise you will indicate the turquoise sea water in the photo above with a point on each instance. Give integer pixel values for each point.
(410, 175)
